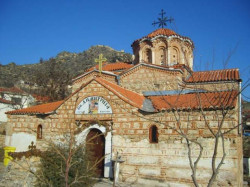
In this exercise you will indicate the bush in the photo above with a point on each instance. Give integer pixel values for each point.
(53, 167)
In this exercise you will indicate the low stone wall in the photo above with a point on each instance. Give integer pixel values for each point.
(2, 140)
(18, 173)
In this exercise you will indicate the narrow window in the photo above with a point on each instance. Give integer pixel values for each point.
(39, 132)
(149, 56)
(175, 56)
(153, 134)
(162, 55)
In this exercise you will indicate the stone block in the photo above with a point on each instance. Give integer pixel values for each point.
(143, 160)
(184, 173)
(150, 171)
(128, 170)
(136, 125)
(143, 182)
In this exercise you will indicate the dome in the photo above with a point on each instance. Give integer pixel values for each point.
(161, 31)
(164, 47)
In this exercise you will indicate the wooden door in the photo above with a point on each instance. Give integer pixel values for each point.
(96, 150)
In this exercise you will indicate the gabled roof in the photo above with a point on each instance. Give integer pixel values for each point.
(128, 96)
(113, 66)
(13, 90)
(159, 67)
(213, 100)
(216, 75)
(94, 71)
(38, 109)
(5, 101)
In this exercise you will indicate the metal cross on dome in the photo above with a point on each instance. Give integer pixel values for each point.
(163, 20)
(100, 60)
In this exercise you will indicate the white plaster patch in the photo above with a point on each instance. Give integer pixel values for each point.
(21, 141)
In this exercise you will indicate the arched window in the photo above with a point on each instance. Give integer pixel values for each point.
(39, 132)
(153, 134)
(175, 56)
(148, 56)
(162, 53)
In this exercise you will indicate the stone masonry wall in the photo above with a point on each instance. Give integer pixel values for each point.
(17, 173)
(149, 79)
(83, 80)
(164, 163)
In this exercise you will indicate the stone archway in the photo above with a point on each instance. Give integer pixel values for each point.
(95, 146)
(81, 137)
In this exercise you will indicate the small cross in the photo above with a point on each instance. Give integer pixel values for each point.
(32, 146)
(163, 20)
(100, 60)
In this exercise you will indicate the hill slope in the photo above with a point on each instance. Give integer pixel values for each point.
(72, 63)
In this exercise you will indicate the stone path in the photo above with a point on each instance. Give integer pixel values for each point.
(104, 183)
(2, 170)
(108, 183)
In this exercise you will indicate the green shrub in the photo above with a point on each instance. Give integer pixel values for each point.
(53, 167)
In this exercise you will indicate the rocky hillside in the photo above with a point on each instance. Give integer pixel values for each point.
(72, 63)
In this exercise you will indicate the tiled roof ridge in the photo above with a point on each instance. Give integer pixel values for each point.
(105, 69)
(38, 109)
(163, 68)
(107, 64)
(5, 101)
(209, 100)
(92, 71)
(214, 76)
(216, 70)
(132, 97)
(13, 89)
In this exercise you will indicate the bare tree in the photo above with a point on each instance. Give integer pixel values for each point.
(221, 101)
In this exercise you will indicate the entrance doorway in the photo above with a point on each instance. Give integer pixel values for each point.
(96, 150)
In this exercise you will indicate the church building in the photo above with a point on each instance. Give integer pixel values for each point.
(151, 112)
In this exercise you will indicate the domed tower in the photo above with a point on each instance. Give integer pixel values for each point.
(164, 47)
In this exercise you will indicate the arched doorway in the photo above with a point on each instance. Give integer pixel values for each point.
(96, 150)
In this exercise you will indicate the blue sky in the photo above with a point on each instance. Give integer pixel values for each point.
(31, 29)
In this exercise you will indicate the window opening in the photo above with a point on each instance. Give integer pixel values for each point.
(39, 132)
(153, 134)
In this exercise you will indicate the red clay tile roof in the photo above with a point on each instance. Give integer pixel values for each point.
(131, 97)
(217, 75)
(40, 98)
(12, 90)
(112, 66)
(5, 101)
(38, 109)
(162, 32)
(208, 100)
